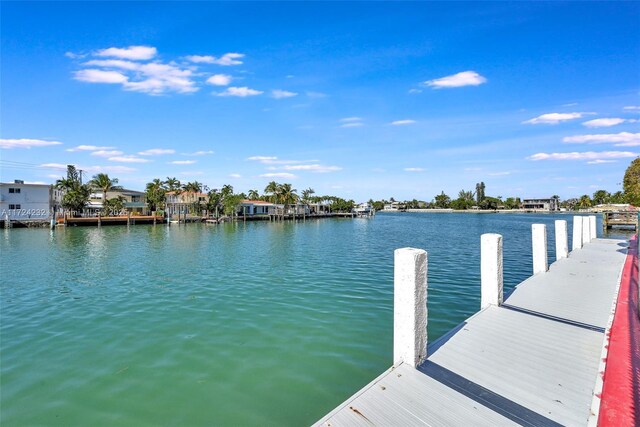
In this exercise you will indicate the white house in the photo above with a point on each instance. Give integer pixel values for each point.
(550, 204)
(257, 207)
(20, 201)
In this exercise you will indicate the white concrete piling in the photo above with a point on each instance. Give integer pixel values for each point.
(410, 306)
(491, 281)
(562, 242)
(577, 233)
(539, 248)
(586, 230)
(592, 227)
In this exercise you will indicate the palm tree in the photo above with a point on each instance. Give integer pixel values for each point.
(173, 184)
(253, 195)
(307, 193)
(272, 190)
(103, 183)
(286, 195)
(76, 195)
(155, 193)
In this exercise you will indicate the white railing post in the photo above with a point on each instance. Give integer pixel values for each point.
(593, 231)
(562, 242)
(409, 306)
(491, 282)
(577, 233)
(586, 230)
(539, 248)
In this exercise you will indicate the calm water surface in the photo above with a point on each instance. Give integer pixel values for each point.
(237, 324)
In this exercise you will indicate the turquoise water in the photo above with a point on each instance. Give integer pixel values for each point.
(238, 324)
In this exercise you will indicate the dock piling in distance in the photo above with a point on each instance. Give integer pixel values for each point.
(409, 306)
(577, 233)
(586, 230)
(539, 248)
(491, 279)
(562, 242)
(592, 227)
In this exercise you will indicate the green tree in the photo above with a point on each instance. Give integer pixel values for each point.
(306, 194)
(584, 201)
(442, 201)
(480, 187)
(254, 195)
(173, 184)
(631, 183)
(113, 206)
(490, 203)
(271, 191)
(76, 195)
(618, 198)
(601, 197)
(105, 184)
(156, 194)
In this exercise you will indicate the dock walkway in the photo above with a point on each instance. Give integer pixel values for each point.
(535, 360)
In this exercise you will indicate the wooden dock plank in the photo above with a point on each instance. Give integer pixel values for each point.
(531, 362)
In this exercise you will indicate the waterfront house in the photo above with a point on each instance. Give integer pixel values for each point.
(135, 202)
(394, 207)
(257, 207)
(185, 202)
(319, 208)
(20, 201)
(549, 205)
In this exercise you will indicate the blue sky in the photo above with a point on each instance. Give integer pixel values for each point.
(356, 99)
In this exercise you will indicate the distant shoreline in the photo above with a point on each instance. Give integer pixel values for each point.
(474, 211)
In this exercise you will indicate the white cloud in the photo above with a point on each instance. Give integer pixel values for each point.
(403, 122)
(204, 59)
(632, 108)
(465, 78)
(240, 91)
(553, 118)
(157, 152)
(599, 123)
(182, 162)
(262, 159)
(90, 169)
(131, 52)
(89, 148)
(412, 91)
(588, 155)
(53, 166)
(351, 119)
(93, 75)
(199, 153)
(154, 78)
(220, 80)
(106, 153)
(229, 59)
(601, 161)
(622, 139)
(414, 169)
(284, 175)
(74, 55)
(128, 159)
(352, 125)
(235, 175)
(279, 94)
(499, 173)
(312, 168)
(26, 143)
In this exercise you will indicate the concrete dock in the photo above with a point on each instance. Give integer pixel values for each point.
(535, 359)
